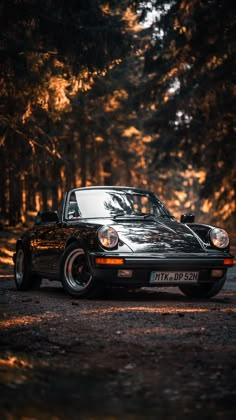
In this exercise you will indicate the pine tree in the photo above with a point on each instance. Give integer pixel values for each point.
(190, 68)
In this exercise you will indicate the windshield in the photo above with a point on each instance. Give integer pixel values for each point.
(100, 203)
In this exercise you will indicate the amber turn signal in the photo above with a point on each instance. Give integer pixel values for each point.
(228, 261)
(109, 261)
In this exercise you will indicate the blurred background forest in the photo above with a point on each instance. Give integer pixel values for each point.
(118, 92)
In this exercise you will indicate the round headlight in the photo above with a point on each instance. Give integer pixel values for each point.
(219, 238)
(108, 237)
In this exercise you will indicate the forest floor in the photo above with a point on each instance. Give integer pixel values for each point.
(148, 354)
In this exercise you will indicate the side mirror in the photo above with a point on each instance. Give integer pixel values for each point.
(46, 217)
(187, 218)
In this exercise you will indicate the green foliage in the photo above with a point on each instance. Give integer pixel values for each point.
(80, 104)
(50, 53)
(189, 65)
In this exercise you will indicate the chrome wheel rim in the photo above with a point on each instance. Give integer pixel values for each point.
(20, 266)
(76, 271)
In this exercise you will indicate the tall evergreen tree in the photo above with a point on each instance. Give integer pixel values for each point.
(49, 51)
(190, 90)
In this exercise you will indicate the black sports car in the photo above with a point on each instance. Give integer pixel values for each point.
(121, 236)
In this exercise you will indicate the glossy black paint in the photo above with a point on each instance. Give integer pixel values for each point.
(151, 244)
(187, 218)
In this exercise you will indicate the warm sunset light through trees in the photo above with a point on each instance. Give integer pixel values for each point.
(94, 93)
(191, 92)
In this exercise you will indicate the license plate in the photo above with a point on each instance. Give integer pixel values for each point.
(174, 276)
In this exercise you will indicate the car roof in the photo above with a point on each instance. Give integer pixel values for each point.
(112, 187)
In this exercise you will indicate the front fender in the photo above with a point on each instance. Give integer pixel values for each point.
(203, 231)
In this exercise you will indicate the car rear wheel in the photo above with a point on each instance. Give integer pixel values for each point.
(76, 276)
(24, 278)
(203, 291)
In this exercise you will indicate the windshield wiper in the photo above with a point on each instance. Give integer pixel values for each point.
(124, 215)
(141, 216)
(149, 216)
(118, 215)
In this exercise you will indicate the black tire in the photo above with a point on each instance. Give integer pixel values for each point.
(203, 291)
(76, 277)
(24, 278)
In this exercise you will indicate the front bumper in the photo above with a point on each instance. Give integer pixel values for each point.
(142, 265)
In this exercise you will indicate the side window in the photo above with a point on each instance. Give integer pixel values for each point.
(72, 211)
(60, 209)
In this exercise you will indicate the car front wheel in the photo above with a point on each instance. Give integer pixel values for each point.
(203, 291)
(76, 276)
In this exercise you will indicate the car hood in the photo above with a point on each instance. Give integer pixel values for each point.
(158, 236)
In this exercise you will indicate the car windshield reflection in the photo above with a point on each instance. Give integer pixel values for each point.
(102, 203)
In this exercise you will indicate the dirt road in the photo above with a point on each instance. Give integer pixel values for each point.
(135, 355)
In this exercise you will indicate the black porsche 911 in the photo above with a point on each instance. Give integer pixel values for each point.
(121, 236)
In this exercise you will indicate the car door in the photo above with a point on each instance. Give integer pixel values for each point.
(47, 246)
(47, 243)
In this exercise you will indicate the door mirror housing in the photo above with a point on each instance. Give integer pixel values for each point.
(187, 218)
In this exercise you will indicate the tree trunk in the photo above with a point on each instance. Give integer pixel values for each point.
(15, 184)
(83, 160)
(3, 206)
